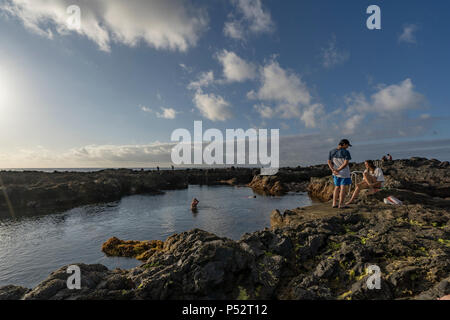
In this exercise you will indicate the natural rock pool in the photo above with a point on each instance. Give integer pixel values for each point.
(32, 247)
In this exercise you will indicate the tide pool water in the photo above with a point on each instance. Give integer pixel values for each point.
(33, 247)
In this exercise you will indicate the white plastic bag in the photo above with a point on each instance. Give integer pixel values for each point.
(393, 200)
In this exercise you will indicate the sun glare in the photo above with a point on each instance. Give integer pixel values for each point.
(4, 92)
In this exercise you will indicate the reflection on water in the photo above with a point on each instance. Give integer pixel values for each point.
(31, 248)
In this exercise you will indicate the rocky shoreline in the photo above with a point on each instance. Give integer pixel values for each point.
(308, 253)
(34, 192)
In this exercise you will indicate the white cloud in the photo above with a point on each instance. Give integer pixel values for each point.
(352, 124)
(212, 107)
(397, 97)
(311, 114)
(387, 108)
(408, 34)
(254, 19)
(90, 156)
(167, 113)
(234, 30)
(332, 56)
(388, 99)
(185, 68)
(264, 111)
(294, 150)
(162, 24)
(205, 79)
(288, 92)
(288, 111)
(235, 68)
(146, 109)
(120, 153)
(281, 85)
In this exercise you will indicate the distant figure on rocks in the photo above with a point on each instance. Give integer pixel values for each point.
(384, 159)
(389, 157)
(194, 204)
(157, 168)
(373, 179)
(338, 161)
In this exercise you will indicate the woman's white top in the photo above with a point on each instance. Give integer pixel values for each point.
(378, 173)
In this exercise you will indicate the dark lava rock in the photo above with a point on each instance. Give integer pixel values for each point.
(309, 253)
(12, 292)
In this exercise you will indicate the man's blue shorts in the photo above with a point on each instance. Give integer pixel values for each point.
(342, 181)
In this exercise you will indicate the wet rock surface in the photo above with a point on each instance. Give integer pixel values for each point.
(309, 253)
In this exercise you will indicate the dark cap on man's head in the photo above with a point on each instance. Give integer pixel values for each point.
(345, 141)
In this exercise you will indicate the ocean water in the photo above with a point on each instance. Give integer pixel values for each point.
(50, 170)
(33, 247)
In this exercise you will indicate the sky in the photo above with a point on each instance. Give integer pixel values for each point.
(110, 93)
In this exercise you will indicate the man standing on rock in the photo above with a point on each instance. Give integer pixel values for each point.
(338, 161)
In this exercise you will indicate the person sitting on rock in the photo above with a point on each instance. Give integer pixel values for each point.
(373, 179)
(389, 157)
(194, 204)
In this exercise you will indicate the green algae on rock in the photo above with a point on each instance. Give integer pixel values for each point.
(141, 250)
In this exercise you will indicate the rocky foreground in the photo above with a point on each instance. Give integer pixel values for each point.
(308, 253)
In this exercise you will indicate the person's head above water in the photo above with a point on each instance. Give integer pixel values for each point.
(344, 143)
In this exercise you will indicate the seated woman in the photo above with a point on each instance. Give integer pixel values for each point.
(373, 179)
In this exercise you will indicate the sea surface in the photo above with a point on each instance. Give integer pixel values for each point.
(50, 170)
(33, 247)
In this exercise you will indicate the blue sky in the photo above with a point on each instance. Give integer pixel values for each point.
(112, 92)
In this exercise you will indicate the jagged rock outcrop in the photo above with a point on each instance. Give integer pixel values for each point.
(321, 188)
(267, 185)
(97, 282)
(287, 179)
